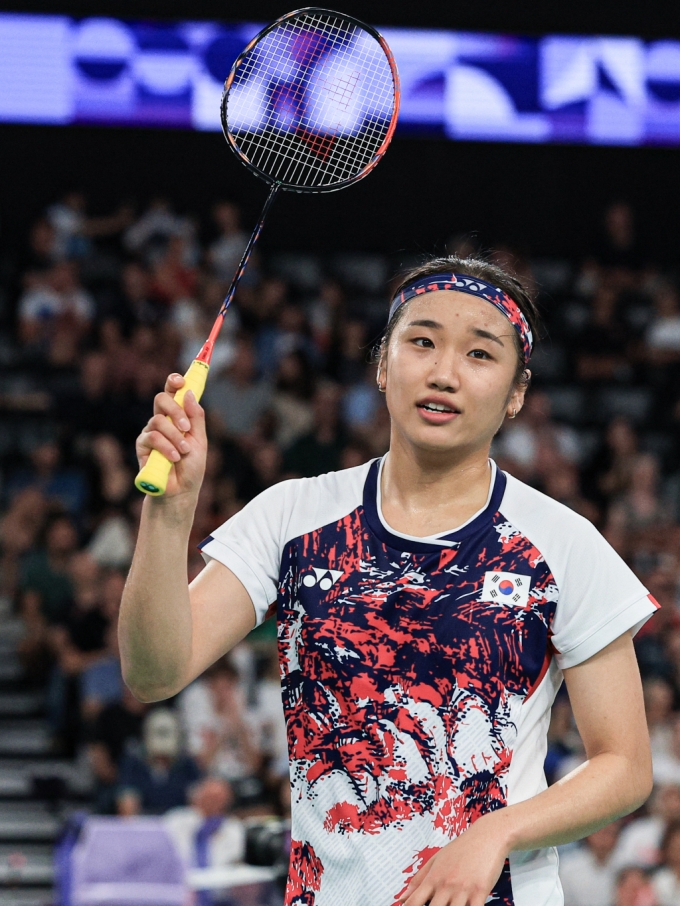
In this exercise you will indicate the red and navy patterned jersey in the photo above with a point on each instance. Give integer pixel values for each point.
(418, 673)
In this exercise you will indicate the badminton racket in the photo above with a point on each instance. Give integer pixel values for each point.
(309, 106)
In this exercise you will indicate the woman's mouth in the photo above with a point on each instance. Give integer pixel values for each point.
(436, 413)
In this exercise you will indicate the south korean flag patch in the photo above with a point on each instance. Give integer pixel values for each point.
(506, 588)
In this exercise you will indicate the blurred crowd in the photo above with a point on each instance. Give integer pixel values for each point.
(95, 311)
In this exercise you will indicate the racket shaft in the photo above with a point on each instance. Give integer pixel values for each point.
(153, 476)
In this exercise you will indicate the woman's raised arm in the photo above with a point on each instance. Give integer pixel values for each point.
(170, 632)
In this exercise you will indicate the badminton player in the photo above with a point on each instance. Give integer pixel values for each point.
(428, 607)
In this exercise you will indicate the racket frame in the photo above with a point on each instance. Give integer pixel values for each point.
(334, 187)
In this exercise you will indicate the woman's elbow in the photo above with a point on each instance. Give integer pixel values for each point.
(148, 690)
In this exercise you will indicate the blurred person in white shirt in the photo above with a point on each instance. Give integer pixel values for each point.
(588, 873)
(667, 879)
(221, 732)
(640, 841)
(205, 834)
(658, 696)
(54, 300)
(667, 764)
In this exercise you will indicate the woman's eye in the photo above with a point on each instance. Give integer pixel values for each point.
(480, 354)
(423, 342)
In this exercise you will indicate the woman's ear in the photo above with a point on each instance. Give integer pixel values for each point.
(381, 374)
(518, 393)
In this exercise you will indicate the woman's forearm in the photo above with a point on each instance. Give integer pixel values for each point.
(155, 626)
(606, 787)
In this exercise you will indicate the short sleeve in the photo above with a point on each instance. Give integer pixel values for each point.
(599, 599)
(250, 544)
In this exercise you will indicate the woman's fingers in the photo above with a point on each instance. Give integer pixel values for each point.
(416, 881)
(162, 435)
(164, 404)
(173, 382)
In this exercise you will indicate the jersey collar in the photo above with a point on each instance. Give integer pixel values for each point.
(402, 542)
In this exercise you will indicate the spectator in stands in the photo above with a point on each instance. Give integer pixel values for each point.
(160, 778)
(149, 235)
(588, 874)
(291, 400)
(46, 589)
(325, 316)
(89, 408)
(101, 681)
(42, 250)
(609, 472)
(658, 696)
(192, 319)
(634, 888)
(173, 277)
(205, 834)
(349, 365)
(534, 438)
(561, 481)
(667, 764)
(19, 529)
(74, 230)
(115, 727)
(237, 397)
(561, 736)
(224, 254)
(662, 339)
(271, 725)
(136, 302)
(641, 506)
(361, 401)
(54, 303)
(619, 249)
(602, 344)
(77, 640)
(221, 733)
(671, 647)
(319, 451)
(640, 840)
(667, 879)
(62, 487)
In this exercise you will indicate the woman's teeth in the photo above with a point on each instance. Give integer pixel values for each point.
(434, 407)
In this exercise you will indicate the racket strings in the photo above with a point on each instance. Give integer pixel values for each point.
(312, 102)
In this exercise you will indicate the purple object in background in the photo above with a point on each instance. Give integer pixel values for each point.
(127, 862)
(585, 89)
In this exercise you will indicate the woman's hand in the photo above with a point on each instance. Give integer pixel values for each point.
(464, 872)
(180, 437)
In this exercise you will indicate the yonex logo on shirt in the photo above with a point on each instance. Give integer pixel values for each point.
(506, 588)
(325, 578)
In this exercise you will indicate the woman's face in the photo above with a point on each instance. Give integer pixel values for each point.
(455, 351)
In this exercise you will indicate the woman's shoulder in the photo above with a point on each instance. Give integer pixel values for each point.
(327, 488)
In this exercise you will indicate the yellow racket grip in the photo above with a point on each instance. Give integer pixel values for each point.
(153, 476)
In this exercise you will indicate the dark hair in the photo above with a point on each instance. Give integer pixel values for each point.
(482, 270)
(222, 667)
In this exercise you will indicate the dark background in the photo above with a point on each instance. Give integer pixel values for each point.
(541, 198)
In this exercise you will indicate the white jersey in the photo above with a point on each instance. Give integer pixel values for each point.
(418, 673)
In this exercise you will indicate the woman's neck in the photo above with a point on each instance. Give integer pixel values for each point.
(422, 494)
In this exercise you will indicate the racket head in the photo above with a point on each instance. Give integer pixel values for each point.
(311, 104)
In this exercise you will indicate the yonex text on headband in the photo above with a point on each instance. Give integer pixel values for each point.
(461, 283)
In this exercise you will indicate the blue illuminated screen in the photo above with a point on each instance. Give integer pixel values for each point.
(460, 85)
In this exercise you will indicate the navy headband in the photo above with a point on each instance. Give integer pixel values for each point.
(461, 283)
